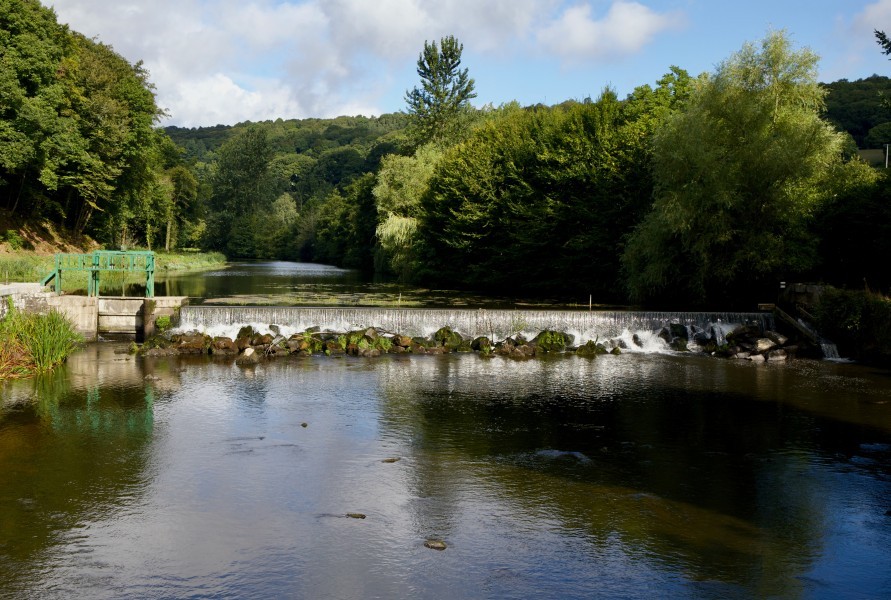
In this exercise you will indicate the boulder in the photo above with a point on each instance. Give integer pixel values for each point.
(447, 338)
(777, 338)
(223, 345)
(248, 357)
(777, 355)
(758, 358)
(191, 343)
(592, 348)
(553, 341)
(764, 344)
(402, 341)
(679, 331)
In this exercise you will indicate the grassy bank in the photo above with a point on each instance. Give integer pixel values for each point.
(33, 267)
(31, 343)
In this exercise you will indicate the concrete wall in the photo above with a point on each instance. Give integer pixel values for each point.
(81, 310)
(131, 317)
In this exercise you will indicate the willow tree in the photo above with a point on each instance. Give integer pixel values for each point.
(445, 91)
(738, 175)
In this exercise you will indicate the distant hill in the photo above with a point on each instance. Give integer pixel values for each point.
(856, 107)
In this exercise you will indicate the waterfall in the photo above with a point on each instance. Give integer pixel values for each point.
(495, 324)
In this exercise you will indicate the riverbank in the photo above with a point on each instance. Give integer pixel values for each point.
(32, 343)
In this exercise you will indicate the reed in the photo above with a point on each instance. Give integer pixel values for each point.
(34, 342)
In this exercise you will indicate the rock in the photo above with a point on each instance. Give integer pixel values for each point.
(275, 329)
(261, 339)
(553, 341)
(191, 343)
(777, 355)
(777, 338)
(615, 351)
(679, 344)
(246, 332)
(355, 515)
(679, 331)
(248, 357)
(223, 345)
(637, 341)
(664, 334)
(304, 425)
(742, 355)
(757, 358)
(435, 544)
(391, 459)
(447, 338)
(764, 344)
(402, 340)
(591, 348)
(482, 344)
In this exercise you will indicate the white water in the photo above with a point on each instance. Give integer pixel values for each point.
(495, 324)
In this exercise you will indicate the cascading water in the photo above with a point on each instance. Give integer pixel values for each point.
(495, 324)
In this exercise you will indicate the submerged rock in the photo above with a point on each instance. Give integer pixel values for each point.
(435, 544)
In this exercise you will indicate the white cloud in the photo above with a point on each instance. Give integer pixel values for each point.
(625, 29)
(230, 60)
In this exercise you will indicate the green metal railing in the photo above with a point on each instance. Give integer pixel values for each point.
(104, 260)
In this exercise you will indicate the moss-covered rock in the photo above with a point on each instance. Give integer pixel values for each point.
(447, 338)
(553, 341)
(591, 349)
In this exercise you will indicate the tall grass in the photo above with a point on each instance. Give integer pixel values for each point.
(35, 342)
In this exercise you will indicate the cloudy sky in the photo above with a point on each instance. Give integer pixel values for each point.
(226, 61)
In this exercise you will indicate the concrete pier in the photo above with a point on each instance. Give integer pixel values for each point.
(94, 316)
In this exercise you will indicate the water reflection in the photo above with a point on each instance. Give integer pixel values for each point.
(563, 477)
(308, 284)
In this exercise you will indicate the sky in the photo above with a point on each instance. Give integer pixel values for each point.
(228, 61)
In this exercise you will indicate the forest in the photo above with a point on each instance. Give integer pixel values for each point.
(694, 190)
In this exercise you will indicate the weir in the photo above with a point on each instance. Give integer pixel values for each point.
(495, 324)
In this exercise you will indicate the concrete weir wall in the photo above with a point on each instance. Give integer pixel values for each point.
(91, 316)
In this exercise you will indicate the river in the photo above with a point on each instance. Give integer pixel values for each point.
(629, 476)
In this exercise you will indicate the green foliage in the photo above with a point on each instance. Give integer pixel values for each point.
(541, 199)
(12, 239)
(854, 230)
(738, 174)
(162, 323)
(859, 322)
(445, 91)
(857, 107)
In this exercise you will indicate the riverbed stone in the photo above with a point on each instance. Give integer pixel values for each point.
(764, 344)
(553, 341)
(678, 330)
(448, 338)
(592, 348)
(778, 338)
(777, 355)
(248, 357)
(758, 358)
(223, 345)
(435, 544)
(402, 340)
(191, 343)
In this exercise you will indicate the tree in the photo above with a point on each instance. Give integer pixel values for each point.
(445, 90)
(738, 176)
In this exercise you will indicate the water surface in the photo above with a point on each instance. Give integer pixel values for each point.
(619, 477)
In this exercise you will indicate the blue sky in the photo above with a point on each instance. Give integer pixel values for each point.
(227, 61)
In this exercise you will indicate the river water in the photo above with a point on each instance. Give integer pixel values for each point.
(627, 476)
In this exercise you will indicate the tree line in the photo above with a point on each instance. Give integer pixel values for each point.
(692, 191)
